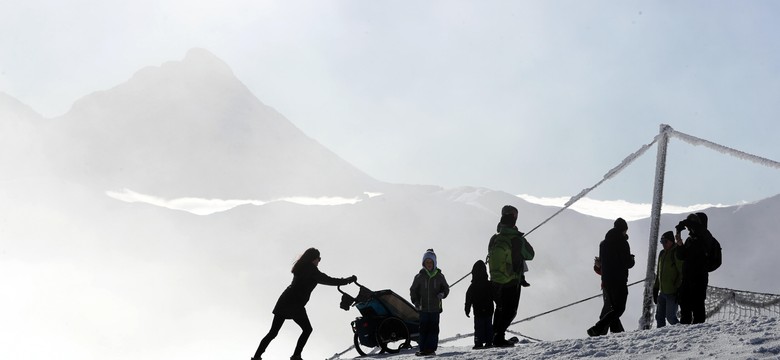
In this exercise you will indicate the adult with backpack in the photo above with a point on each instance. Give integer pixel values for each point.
(668, 279)
(714, 256)
(616, 258)
(507, 252)
(695, 253)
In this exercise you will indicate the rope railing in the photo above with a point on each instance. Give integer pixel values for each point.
(690, 139)
(522, 335)
(719, 301)
(718, 298)
(609, 175)
(568, 305)
(465, 336)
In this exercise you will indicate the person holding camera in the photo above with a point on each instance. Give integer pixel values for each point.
(615, 260)
(693, 253)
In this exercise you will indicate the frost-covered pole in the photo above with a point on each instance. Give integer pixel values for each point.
(646, 321)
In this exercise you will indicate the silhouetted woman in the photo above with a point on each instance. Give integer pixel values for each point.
(292, 302)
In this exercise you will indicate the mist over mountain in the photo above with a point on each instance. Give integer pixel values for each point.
(15, 112)
(190, 128)
(21, 146)
(99, 278)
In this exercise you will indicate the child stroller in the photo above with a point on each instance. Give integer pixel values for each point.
(388, 321)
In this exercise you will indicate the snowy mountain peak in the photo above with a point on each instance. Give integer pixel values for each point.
(186, 129)
(14, 110)
(203, 58)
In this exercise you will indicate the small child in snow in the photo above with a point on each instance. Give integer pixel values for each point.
(428, 289)
(480, 296)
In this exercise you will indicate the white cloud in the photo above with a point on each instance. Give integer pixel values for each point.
(612, 209)
(606, 209)
(200, 206)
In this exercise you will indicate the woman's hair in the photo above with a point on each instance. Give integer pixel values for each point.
(307, 257)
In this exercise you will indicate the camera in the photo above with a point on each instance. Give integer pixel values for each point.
(681, 226)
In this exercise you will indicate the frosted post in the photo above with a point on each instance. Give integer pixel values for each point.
(646, 321)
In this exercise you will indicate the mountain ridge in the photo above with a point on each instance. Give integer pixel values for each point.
(191, 128)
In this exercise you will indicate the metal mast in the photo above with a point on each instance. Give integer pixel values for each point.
(646, 321)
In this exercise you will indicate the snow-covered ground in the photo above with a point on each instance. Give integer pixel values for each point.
(750, 338)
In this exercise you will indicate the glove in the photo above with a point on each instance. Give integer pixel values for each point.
(655, 296)
(352, 279)
(440, 296)
(468, 310)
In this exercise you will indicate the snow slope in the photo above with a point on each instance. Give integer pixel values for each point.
(754, 338)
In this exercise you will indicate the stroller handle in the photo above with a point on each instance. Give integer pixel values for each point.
(348, 300)
(356, 283)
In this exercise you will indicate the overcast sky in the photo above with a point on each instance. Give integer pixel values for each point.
(529, 97)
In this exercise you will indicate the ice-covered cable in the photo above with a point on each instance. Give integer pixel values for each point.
(725, 149)
(615, 171)
(610, 174)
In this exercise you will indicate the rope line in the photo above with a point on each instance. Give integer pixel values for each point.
(525, 336)
(690, 139)
(464, 336)
(338, 355)
(718, 299)
(610, 174)
(568, 305)
(459, 280)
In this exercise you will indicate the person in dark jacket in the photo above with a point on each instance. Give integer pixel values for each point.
(292, 302)
(507, 278)
(616, 258)
(668, 279)
(428, 288)
(480, 297)
(615, 326)
(693, 291)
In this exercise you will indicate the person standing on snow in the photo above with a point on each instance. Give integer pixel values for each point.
(615, 326)
(667, 282)
(507, 252)
(616, 258)
(693, 291)
(292, 302)
(480, 297)
(428, 288)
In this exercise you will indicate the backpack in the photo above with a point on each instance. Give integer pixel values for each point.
(714, 256)
(500, 259)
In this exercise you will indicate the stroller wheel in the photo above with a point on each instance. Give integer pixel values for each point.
(392, 335)
(362, 350)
